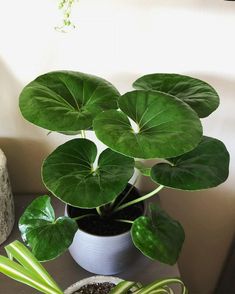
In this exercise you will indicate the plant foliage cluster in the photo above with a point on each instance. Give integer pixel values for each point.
(160, 119)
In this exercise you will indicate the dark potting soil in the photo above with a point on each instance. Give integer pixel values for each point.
(107, 226)
(97, 288)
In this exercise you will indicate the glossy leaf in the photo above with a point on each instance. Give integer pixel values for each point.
(125, 287)
(66, 101)
(69, 173)
(158, 236)
(165, 125)
(204, 167)
(48, 237)
(196, 93)
(158, 286)
(162, 285)
(16, 250)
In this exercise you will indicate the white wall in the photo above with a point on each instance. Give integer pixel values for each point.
(121, 40)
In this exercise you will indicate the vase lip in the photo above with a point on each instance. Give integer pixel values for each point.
(91, 280)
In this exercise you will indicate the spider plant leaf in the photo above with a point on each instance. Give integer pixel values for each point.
(123, 287)
(160, 284)
(19, 273)
(24, 257)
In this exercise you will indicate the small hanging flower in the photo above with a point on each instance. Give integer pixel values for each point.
(66, 7)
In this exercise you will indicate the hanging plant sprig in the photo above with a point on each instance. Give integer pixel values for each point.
(66, 7)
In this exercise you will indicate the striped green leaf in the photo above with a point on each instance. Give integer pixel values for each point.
(124, 286)
(28, 270)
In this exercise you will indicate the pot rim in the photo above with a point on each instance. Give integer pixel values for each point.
(91, 280)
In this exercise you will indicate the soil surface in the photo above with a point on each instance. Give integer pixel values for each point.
(107, 226)
(97, 288)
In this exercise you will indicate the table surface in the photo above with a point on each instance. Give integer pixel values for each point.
(64, 269)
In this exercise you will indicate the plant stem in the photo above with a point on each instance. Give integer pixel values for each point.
(99, 211)
(142, 198)
(127, 193)
(83, 134)
(83, 216)
(124, 221)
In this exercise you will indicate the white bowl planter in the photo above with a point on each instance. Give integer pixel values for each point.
(91, 280)
(7, 217)
(105, 255)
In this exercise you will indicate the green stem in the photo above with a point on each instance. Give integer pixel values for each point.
(139, 199)
(83, 134)
(83, 216)
(124, 221)
(127, 193)
(99, 211)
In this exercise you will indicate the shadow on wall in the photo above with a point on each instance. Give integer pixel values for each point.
(220, 123)
(213, 5)
(208, 220)
(24, 160)
(24, 155)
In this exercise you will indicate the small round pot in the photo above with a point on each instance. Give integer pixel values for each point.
(103, 255)
(91, 280)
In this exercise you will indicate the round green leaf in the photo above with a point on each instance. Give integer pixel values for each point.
(69, 173)
(204, 167)
(166, 126)
(158, 236)
(48, 237)
(66, 101)
(196, 93)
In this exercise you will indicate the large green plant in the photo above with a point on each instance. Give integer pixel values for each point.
(160, 119)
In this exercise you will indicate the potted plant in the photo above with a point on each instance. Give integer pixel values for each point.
(27, 270)
(161, 119)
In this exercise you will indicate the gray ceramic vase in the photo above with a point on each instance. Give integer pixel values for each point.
(7, 216)
(91, 280)
(103, 255)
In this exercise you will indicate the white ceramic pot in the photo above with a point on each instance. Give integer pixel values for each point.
(92, 280)
(7, 216)
(104, 255)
